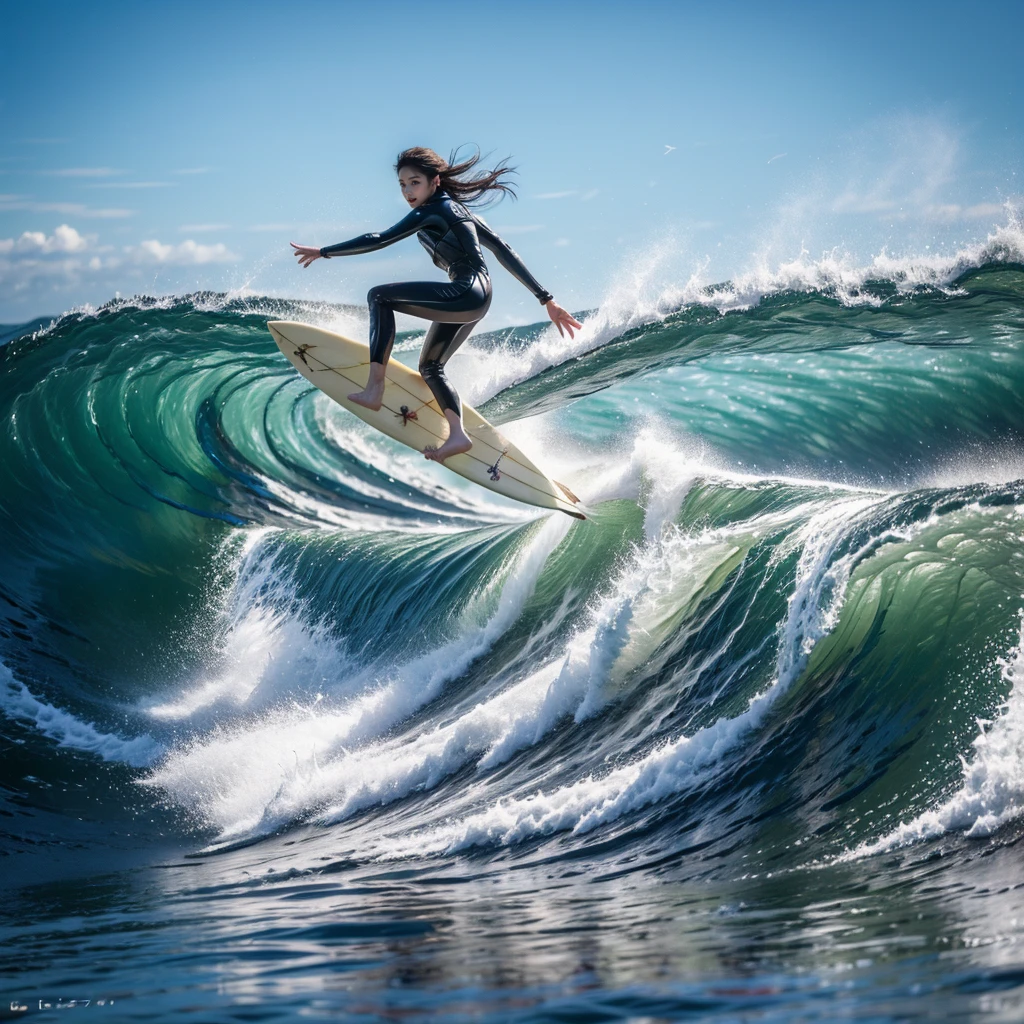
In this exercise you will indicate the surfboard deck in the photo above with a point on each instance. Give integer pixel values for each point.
(337, 366)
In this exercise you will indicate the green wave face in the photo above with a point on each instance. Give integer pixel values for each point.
(799, 590)
(759, 719)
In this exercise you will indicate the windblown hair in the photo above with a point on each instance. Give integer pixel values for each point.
(452, 171)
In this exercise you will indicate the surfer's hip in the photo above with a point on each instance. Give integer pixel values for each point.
(458, 301)
(469, 289)
(469, 277)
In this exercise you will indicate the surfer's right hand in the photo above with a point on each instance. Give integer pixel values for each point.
(305, 253)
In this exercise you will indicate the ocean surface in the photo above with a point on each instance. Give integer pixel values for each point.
(296, 725)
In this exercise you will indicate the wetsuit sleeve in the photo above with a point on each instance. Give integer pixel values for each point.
(510, 260)
(377, 239)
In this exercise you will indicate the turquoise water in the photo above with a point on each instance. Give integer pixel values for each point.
(297, 724)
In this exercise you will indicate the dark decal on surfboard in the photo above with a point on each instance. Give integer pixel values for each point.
(493, 470)
(405, 414)
(302, 350)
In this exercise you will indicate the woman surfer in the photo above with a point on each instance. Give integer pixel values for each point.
(438, 193)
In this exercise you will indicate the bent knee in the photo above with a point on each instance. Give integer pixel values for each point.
(431, 368)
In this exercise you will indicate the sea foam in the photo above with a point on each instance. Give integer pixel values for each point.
(674, 765)
(66, 730)
(992, 791)
(640, 297)
(268, 768)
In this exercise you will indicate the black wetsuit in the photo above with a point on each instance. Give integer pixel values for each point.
(452, 235)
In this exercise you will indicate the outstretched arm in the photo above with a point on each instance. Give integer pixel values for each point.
(364, 243)
(510, 260)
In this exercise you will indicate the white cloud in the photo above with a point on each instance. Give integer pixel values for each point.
(519, 229)
(307, 228)
(986, 210)
(134, 184)
(857, 202)
(954, 211)
(902, 166)
(585, 197)
(66, 262)
(85, 172)
(12, 202)
(185, 253)
(64, 239)
(281, 227)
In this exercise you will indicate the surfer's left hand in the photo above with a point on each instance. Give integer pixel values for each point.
(562, 318)
(305, 253)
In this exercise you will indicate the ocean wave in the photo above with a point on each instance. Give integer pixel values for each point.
(798, 480)
(636, 304)
(56, 724)
(992, 791)
(266, 771)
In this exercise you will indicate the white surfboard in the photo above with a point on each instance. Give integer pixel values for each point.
(337, 366)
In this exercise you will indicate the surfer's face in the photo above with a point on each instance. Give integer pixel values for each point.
(417, 188)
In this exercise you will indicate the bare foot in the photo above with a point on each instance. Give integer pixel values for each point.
(448, 449)
(372, 396)
(457, 443)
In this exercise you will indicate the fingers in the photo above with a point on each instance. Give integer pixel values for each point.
(563, 320)
(305, 253)
(558, 314)
(568, 321)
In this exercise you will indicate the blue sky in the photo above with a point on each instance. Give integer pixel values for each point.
(166, 147)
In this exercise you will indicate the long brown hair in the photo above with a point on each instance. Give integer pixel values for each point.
(451, 171)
